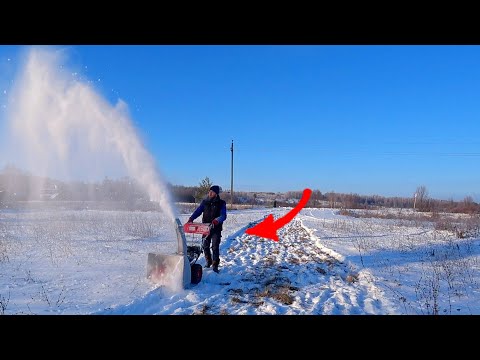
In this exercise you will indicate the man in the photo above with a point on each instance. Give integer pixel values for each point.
(214, 212)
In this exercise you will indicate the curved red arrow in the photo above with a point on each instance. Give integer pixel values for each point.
(268, 227)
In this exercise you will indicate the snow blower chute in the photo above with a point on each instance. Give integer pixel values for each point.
(180, 269)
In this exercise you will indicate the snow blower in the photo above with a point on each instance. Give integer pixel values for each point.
(179, 269)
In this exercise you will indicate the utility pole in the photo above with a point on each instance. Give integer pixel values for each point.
(231, 180)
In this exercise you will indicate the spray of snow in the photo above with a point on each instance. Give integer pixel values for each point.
(60, 126)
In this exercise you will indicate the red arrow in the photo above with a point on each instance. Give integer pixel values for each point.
(268, 227)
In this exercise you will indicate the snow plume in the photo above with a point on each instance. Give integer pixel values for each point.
(62, 128)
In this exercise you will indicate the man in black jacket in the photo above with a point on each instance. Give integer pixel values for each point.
(214, 212)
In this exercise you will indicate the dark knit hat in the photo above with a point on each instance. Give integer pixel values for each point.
(215, 189)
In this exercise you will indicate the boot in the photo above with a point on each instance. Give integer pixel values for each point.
(208, 260)
(215, 265)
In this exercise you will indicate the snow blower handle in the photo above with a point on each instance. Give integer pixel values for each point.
(196, 228)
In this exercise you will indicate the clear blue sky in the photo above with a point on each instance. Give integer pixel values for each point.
(353, 119)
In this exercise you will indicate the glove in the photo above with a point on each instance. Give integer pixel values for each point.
(214, 223)
(189, 220)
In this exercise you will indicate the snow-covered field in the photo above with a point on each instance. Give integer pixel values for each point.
(94, 262)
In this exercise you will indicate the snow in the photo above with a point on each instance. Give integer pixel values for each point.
(63, 261)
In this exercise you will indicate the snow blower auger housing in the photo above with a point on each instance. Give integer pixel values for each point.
(179, 269)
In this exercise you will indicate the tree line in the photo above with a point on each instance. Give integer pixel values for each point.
(17, 185)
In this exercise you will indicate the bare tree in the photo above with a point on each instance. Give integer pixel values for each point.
(331, 199)
(316, 196)
(422, 198)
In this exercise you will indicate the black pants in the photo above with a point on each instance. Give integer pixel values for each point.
(213, 239)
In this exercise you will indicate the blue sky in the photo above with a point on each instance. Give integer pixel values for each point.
(353, 119)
